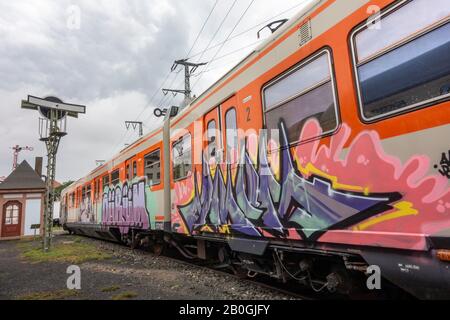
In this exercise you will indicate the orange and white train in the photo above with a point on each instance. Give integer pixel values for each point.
(321, 157)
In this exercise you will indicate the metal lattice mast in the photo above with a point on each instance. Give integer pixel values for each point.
(51, 129)
(52, 144)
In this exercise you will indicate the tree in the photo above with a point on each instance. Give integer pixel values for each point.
(59, 189)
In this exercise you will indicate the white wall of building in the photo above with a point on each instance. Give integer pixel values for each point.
(32, 215)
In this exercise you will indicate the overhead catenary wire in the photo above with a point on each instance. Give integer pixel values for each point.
(168, 99)
(124, 138)
(171, 98)
(229, 35)
(218, 30)
(252, 28)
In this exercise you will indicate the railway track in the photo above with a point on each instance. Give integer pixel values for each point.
(289, 289)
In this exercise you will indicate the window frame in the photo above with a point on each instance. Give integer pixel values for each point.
(180, 140)
(355, 65)
(13, 205)
(111, 182)
(160, 167)
(106, 178)
(324, 50)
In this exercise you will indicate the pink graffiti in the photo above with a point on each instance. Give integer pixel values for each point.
(365, 164)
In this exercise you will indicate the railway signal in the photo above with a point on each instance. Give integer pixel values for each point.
(17, 149)
(52, 127)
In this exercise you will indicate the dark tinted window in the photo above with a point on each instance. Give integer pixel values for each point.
(105, 181)
(115, 178)
(410, 66)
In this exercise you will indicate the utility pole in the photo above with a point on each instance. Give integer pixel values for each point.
(52, 127)
(135, 124)
(189, 69)
(17, 150)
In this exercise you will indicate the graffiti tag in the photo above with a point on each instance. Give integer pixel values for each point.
(444, 165)
(124, 206)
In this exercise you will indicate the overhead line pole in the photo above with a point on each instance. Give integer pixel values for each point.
(189, 69)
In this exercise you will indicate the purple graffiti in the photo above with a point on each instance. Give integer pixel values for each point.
(259, 202)
(125, 207)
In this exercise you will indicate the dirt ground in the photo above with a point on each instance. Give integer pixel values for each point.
(111, 272)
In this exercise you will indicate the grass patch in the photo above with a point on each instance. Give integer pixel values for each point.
(54, 295)
(76, 252)
(125, 296)
(111, 289)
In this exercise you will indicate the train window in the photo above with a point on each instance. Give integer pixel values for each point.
(89, 192)
(403, 65)
(182, 158)
(232, 135)
(212, 140)
(305, 93)
(115, 177)
(105, 181)
(128, 171)
(72, 199)
(153, 168)
(134, 169)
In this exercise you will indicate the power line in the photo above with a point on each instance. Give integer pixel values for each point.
(203, 27)
(206, 48)
(226, 39)
(168, 74)
(218, 29)
(252, 28)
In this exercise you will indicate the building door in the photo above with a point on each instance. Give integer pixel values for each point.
(12, 219)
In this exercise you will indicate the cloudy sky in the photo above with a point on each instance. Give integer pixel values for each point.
(112, 56)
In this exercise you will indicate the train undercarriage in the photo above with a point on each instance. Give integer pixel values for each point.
(324, 271)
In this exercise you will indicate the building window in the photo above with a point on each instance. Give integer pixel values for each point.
(182, 158)
(232, 135)
(404, 65)
(115, 177)
(307, 92)
(12, 214)
(153, 168)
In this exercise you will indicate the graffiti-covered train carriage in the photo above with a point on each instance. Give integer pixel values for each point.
(323, 153)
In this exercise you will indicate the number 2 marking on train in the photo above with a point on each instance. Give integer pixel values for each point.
(248, 114)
